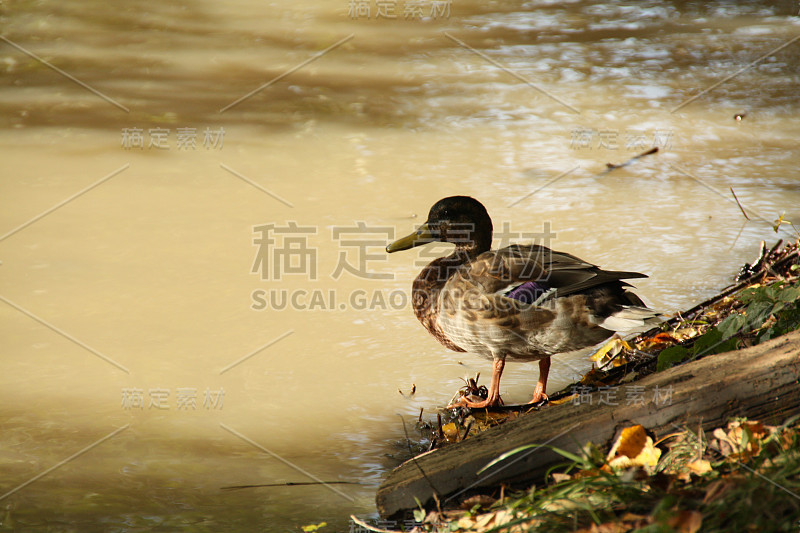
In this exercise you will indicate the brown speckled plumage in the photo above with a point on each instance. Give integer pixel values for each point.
(425, 295)
(467, 300)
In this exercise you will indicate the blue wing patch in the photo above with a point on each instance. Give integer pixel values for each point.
(528, 292)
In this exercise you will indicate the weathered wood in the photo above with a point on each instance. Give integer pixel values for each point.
(761, 382)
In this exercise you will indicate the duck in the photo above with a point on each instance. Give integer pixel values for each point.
(523, 302)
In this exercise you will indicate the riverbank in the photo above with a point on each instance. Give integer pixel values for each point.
(688, 480)
(732, 356)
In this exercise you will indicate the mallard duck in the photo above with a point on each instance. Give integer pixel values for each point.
(521, 302)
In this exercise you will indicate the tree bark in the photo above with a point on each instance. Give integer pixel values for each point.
(761, 382)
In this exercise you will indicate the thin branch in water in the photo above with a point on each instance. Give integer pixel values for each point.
(611, 166)
(291, 484)
(739, 203)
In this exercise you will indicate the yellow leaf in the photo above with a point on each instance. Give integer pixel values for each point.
(780, 220)
(633, 447)
(630, 442)
(699, 466)
(620, 360)
(450, 431)
(566, 399)
(612, 348)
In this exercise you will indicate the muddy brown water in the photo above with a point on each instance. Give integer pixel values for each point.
(194, 288)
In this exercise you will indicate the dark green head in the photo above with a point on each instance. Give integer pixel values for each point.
(460, 220)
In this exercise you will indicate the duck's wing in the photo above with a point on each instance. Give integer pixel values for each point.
(530, 272)
(529, 302)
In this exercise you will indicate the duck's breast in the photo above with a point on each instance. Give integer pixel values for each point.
(490, 325)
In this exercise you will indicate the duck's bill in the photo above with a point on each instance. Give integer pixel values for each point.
(422, 236)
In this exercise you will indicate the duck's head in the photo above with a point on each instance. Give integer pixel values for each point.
(460, 220)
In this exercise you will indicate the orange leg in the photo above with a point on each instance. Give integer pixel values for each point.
(539, 393)
(493, 398)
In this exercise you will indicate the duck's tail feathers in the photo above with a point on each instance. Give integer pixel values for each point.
(631, 319)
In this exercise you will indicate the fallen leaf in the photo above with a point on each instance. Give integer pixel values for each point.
(699, 466)
(610, 350)
(558, 477)
(450, 431)
(656, 342)
(566, 399)
(483, 500)
(745, 436)
(466, 522)
(722, 443)
(634, 447)
(484, 520)
(608, 527)
(687, 333)
(757, 428)
(686, 521)
(631, 517)
(502, 516)
(630, 442)
(593, 377)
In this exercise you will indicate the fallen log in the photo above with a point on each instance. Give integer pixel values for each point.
(761, 382)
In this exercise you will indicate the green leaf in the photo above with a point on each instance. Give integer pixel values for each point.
(789, 294)
(747, 437)
(507, 455)
(571, 456)
(732, 325)
(773, 291)
(671, 356)
(748, 295)
(787, 320)
(419, 513)
(706, 343)
(757, 313)
(713, 342)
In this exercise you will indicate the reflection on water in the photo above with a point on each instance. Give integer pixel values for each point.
(140, 304)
